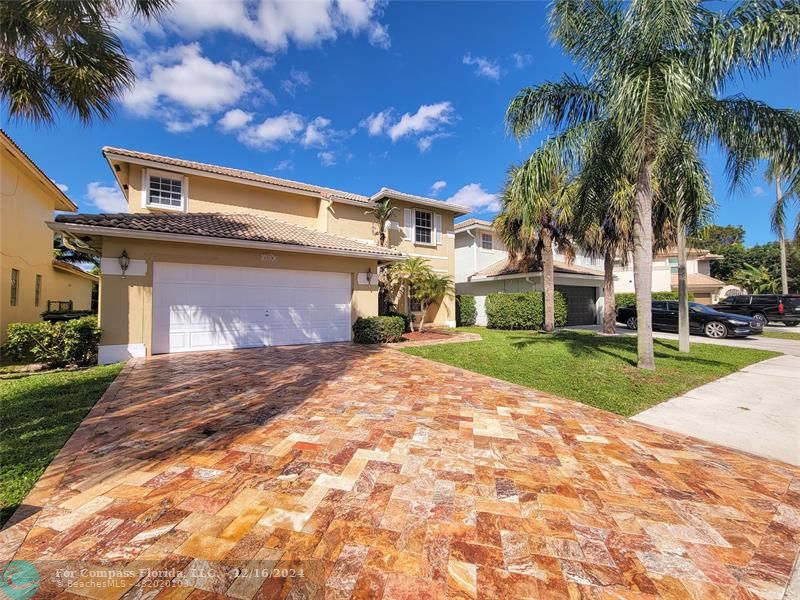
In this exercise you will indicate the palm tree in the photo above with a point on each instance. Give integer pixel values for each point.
(756, 280)
(407, 274)
(382, 213)
(536, 213)
(431, 290)
(65, 55)
(779, 173)
(656, 70)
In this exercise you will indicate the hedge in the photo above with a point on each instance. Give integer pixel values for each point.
(466, 313)
(73, 342)
(629, 298)
(377, 330)
(522, 311)
(406, 318)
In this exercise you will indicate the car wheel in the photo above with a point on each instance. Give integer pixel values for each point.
(760, 318)
(715, 329)
(631, 323)
(792, 323)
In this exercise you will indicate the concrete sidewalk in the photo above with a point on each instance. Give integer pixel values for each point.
(756, 410)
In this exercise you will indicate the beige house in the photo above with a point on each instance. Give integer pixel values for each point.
(31, 281)
(211, 257)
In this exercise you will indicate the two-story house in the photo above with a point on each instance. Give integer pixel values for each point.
(32, 281)
(705, 288)
(210, 257)
(483, 267)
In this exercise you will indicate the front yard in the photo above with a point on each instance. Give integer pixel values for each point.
(782, 335)
(590, 368)
(38, 413)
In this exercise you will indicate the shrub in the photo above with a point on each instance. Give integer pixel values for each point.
(377, 330)
(56, 344)
(406, 319)
(629, 298)
(522, 311)
(466, 313)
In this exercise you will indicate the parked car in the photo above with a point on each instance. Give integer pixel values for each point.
(764, 308)
(702, 320)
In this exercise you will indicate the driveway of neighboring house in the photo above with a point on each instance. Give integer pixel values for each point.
(367, 473)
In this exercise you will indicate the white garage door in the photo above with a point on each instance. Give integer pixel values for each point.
(209, 307)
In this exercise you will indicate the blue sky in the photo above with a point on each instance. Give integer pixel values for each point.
(354, 95)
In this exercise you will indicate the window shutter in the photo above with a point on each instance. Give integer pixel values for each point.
(437, 226)
(408, 226)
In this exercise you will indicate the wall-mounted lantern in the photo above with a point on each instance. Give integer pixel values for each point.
(124, 262)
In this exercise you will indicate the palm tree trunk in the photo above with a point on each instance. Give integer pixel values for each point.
(683, 290)
(547, 280)
(643, 265)
(609, 301)
(782, 240)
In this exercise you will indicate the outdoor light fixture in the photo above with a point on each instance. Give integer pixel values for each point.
(124, 262)
(369, 276)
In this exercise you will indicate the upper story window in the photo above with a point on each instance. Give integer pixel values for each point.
(673, 265)
(166, 190)
(486, 241)
(423, 227)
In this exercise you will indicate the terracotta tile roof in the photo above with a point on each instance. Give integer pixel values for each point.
(397, 195)
(507, 267)
(237, 173)
(74, 269)
(245, 227)
(699, 280)
(471, 222)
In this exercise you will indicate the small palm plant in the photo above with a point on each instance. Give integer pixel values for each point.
(407, 274)
(382, 213)
(430, 290)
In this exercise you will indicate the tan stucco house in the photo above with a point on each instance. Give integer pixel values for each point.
(216, 257)
(30, 279)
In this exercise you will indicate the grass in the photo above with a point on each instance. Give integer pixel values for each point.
(38, 413)
(593, 369)
(782, 335)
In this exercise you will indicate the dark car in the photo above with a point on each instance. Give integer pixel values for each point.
(702, 320)
(764, 308)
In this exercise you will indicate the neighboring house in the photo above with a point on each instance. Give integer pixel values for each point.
(31, 280)
(483, 268)
(218, 257)
(706, 289)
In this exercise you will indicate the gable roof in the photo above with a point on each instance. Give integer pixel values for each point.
(473, 223)
(62, 202)
(74, 270)
(145, 158)
(218, 228)
(698, 280)
(506, 267)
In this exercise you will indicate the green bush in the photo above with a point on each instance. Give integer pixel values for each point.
(466, 313)
(522, 311)
(629, 298)
(404, 316)
(61, 343)
(377, 330)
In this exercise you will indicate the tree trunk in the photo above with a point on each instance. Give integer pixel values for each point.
(683, 289)
(424, 308)
(547, 280)
(782, 241)
(643, 265)
(609, 301)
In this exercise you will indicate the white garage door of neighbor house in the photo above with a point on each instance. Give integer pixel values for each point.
(209, 307)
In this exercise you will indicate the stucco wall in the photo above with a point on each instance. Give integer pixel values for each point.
(126, 303)
(471, 257)
(63, 286)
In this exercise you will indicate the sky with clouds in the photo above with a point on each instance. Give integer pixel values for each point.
(351, 94)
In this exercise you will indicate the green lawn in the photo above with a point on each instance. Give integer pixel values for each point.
(782, 335)
(593, 369)
(38, 413)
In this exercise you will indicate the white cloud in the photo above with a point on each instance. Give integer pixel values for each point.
(521, 60)
(759, 191)
(178, 125)
(424, 143)
(376, 123)
(438, 186)
(297, 79)
(62, 186)
(483, 66)
(429, 117)
(475, 197)
(273, 131)
(284, 165)
(327, 159)
(235, 119)
(316, 133)
(106, 198)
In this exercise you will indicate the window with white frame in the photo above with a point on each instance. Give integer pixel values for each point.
(486, 241)
(423, 227)
(165, 190)
(673, 265)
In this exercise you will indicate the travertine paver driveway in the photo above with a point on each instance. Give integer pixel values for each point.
(368, 473)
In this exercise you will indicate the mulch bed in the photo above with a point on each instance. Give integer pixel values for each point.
(425, 336)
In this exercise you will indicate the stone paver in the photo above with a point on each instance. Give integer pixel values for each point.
(344, 472)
